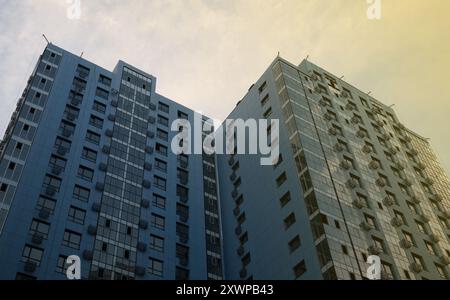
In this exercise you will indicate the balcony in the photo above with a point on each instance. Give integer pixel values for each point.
(374, 250)
(406, 244)
(184, 238)
(30, 266)
(366, 226)
(358, 203)
(37, 238)
(416, 268)
(62, 151)
(397, 221)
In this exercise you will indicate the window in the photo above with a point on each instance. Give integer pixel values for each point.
(77, 215)
(66, 128)
(57, 163)
(262, 87)
(40, 227)
(337, 224)
(32, 254)
(96, 121)
(3, 187)
(160, 149)
(299, 269)
(421, 227)
(183, 231)
(89, 154)
(19, 146)
(397, 173)
(265, 100)
(441, 271)
(285, 199)
(104, 80)
(392, 197)
(62, 144)
(100, 107)
(364, 102)
(46, 203)
(400, 216)
(92, 137)
(160, 165)
(101, 93)
(51, 182)
(11, 166)
(183, 175)
(159, 182)
(387, 269)
(155, 267)
(159, 201)
(163, 120)
(412, 207)
(182, 211)
(85, 173)
(158, 221)
(289, 221)
(182, 115)
(267, 113)
(71, 239)
(183, 160)
(81, 193)
(156, 243)
(294, 244)
(349, 162)
(418, 260)
(370, 220)
(183, 193)
(61, 266)
(378, 243)
(161, 134)
(380, 206)
(281, 179)
(163, 107)
(384, 179)
(344, 249)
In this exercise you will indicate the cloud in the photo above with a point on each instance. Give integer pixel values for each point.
(206, 53)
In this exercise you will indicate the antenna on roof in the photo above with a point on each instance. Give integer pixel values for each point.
(370, 92)
(307, 56)
(278, 55)
(82, 54)
(342, 77)
(45, 38)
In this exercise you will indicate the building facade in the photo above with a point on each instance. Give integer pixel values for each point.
(86, 169)
(351, 182)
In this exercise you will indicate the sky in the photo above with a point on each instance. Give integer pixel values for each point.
(206, 53)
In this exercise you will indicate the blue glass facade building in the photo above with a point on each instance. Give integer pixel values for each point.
(351, 181)
(87, 170)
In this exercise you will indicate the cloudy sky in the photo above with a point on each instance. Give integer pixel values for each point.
(206, 53)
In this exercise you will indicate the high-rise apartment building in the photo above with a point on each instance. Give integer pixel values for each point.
(351, 182)
(86, 169)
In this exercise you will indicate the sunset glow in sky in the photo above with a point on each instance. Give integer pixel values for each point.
(206, 53)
